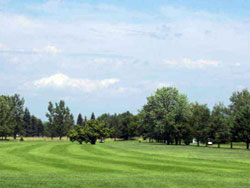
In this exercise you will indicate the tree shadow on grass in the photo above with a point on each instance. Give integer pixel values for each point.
(4, 140)
(195, 146)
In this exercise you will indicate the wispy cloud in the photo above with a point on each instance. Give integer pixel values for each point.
(48, 49)
(189, 63)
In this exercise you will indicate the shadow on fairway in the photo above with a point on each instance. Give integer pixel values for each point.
(201, 146)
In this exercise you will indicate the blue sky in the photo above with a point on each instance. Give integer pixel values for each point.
(108, 56)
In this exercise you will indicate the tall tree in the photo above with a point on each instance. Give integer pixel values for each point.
(40, 128)
(242, 124)
(17, 112)
(5, 118)
(34, 126)
(27, 122)
(163, 112)
(220, 124)
(92, 116)
(239, 100)
(200, 122)
(128, 125)
(59, 118)
(80, 120)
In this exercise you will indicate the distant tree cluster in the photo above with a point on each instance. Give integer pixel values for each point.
(124, 126)
(15, 120)
(167, 117)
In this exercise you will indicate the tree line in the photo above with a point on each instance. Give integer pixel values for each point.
(15, 120)
(167, 117)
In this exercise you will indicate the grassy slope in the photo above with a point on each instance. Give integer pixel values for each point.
(120, 164)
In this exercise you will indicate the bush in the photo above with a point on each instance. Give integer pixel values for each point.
(21, 139)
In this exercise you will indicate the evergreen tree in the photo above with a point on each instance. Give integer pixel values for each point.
(27, 122)
(40, 128)
(92, 116)
(80, 120)
(85, 120)
(34, 127)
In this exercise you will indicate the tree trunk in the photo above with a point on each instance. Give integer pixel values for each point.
(60, 137)
(247, 144)
(198, 143)
(231, 145)
(14, 136)
(218, 145)
(176, 141)
(101, 140)
(180, 142)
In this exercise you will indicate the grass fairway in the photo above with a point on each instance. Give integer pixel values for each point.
(120, 164)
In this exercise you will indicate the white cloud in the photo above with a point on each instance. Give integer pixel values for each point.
(64, 82)
(48, 49)
(237, 64)
(189, 63)
(198, 63)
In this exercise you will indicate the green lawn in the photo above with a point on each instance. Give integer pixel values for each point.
(120, 164)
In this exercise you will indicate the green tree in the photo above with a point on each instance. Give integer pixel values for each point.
(16, 114)
(200, 122)
(27, 122)
(239, 100)
(34, 126)
(5, 118)
(242, 124)
(128, 125)
(92, 116)
(60, 119)
(93, 130)
(77, 133)
(186, 133)
(112, 122)
(220, 124)
(80, 120)
(40, 128)
(163, 112)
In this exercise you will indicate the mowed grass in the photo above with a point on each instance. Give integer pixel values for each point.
(120, 164)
